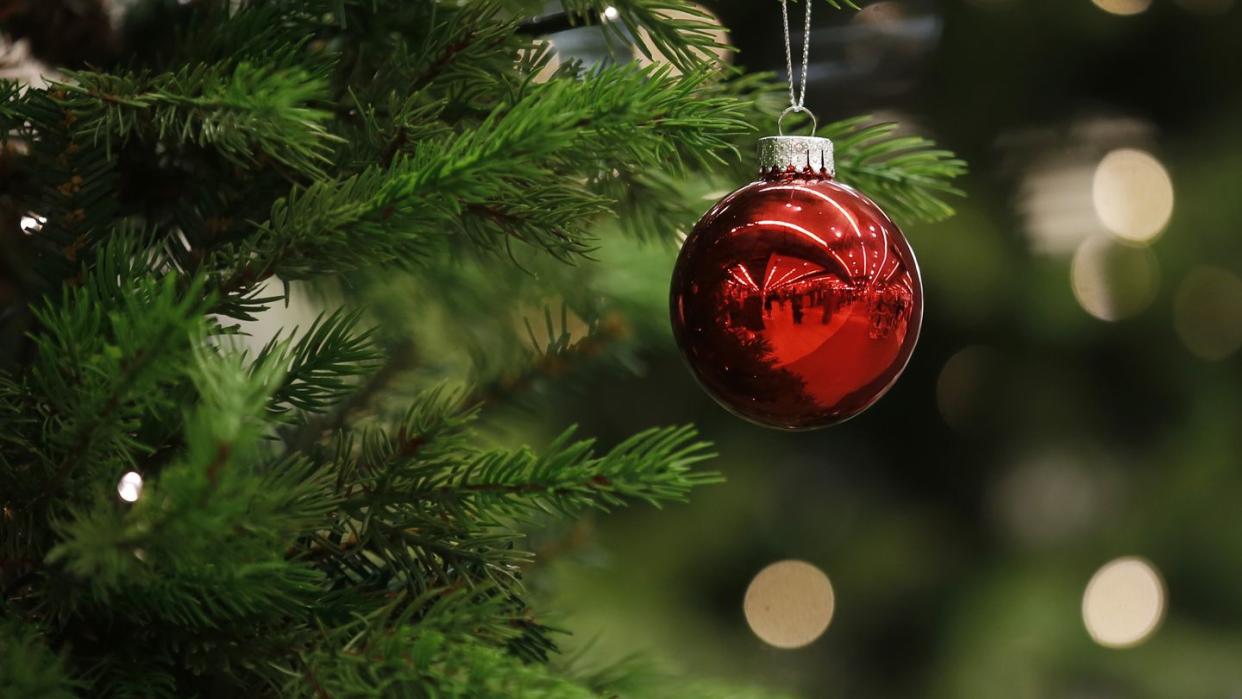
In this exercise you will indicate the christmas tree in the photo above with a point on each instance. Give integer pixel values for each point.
(325, 513)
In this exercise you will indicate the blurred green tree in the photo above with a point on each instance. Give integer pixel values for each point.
(323, 515)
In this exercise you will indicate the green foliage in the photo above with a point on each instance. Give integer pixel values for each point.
(243, 112)
(315, 518)
(319, 365)
(28, 668)
(505, 180)
(907, 175)
(440, 655)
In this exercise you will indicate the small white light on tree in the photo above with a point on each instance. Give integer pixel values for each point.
(611, 14)
(789, 604)
(32, 223)
(130, 487)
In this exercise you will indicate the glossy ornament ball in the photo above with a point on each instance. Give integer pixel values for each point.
(796, 301)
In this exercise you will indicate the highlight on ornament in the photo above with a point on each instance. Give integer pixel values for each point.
(789, 604)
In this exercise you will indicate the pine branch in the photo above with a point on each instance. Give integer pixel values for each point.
(678, 29)
(448, 643)
(319, 366)
(203, 545)
(106, 355)
(620, 115)
(245, 113)
(653, 466)
(28, 668)
(905, 175)
(291, 535)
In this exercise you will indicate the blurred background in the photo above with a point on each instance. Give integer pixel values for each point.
(1049, 502)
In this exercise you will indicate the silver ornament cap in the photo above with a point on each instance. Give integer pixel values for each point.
(797, 152)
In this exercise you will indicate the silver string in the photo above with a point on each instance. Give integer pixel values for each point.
(797, 96)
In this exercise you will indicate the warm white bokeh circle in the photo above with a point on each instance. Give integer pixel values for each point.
(789, 604)
(1124, 603)
(1208, 313)
(1112, 281)
(1123, 7)
(1133, 195)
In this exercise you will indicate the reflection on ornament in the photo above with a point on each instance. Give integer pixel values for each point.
(796, 301)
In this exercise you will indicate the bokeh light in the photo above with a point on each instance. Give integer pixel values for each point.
(1133, 194)
(130, 487)
(789, 604)
(1113, 281)
(1053, 496)
(1208, 313)
(961, 382)
(1124, 603)
(1207, 7)
(1123, 7)
(1053, 202)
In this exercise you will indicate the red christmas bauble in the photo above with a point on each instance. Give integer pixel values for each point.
(795, 300)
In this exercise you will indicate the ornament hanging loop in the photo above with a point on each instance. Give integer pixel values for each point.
(780, 130)
(797, 89)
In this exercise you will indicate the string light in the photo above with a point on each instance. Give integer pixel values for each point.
(130, 487)
(32, 223)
